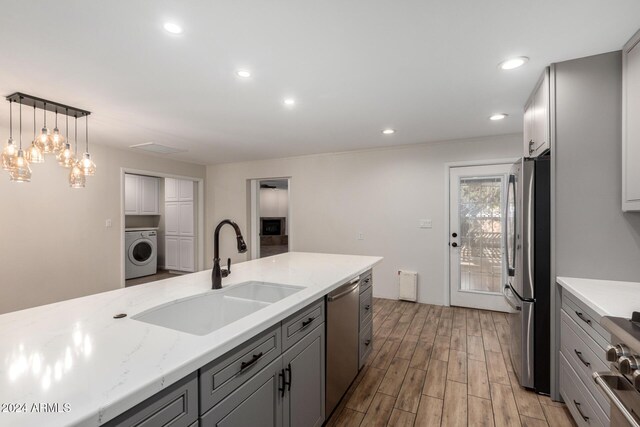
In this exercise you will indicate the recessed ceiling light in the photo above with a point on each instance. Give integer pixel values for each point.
(512, 63)
(289, 101)
(389, 131)
(498, 116)
(243, 73)
(172, 28)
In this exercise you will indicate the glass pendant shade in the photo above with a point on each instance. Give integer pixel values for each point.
(34, 154)
(58, 140)
(21, 172)
(66, 157)
(87, 165)
(45, 141)
(76, 177)
(9, 154)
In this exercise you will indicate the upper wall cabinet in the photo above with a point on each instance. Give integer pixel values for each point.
(141, 195)
(536, 119)
(178, 190)
(631, 125)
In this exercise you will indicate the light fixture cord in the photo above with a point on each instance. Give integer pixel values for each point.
(56, 117)
(34, 121)
(10, 120)
(66, 131)
(76, 133)
(86, 127)
(21, 123)
(44, 109)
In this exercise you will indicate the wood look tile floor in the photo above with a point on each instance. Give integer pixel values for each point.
(441, 366)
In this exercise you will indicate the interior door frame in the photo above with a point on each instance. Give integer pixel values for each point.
(199, 258)
(253, 214)
(447, 229)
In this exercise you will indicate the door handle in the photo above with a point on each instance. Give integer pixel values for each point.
(308, 322)
(254, 359)
(584, 417)
(579, 354)
(288, 383)
(284, 383)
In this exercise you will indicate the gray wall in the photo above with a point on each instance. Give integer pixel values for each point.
(594, 238)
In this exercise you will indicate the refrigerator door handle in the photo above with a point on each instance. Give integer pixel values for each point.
(519, 296)
(511, 303)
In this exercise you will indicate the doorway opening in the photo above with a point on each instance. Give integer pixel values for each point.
(270, 217)
(162, 226)
(477, 271)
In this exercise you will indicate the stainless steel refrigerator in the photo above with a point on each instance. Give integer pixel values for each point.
(528, 260)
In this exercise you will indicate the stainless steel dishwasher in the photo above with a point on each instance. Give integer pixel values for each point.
(342, 341)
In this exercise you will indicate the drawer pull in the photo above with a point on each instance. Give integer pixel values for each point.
(288, 383)
(253, 360)
(584, 319)
(308, 322)
(367, 280)
(284, 383)
(579, 354)
(367, 342)
(367, 307)
(584, 417)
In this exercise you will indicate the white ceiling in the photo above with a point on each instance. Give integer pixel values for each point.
(426, 68)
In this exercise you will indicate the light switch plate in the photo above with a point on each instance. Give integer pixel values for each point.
(425, 223)
(360, 236)
(108, 223)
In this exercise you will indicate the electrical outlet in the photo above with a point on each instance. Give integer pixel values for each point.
(425, 223)
(360, 236)
(108, 223)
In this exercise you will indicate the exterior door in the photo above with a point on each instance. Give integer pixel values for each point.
(477, 199)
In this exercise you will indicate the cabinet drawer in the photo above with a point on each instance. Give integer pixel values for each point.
(366, 307)
(258, 402)
(580, 402)
(224, 375)
(301, 323)
(579, 350)
(366, 343)
(366, 280)
(175, 406)
(586, 318)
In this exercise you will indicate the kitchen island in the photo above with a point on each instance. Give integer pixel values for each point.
(82, 366)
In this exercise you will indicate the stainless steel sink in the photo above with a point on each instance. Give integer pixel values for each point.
(204, 313)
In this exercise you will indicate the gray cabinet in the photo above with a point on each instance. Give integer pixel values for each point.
(175, 406)
(257, 403)
(299, 324)
(365, 338)
(304, 366)
(537, 119)
(631, 124)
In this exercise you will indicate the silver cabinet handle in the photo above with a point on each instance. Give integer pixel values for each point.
(599, 377)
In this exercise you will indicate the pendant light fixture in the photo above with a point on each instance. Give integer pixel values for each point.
(18, 161)
(58, 139)
(9, 151)
(87, 165)
(66, 157)
(20, 172)
(76, 177)
(45, 138)
(34, 154)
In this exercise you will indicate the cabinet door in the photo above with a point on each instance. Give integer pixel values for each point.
(172, 253)
(185, 219)
(257, 403)
(540, 128)
(186, 258)
(528, 128)
(304, 369)
(171, 218)
(170, 190)
(131, 194)
(631, 125)
(149, 194)
(185, 190)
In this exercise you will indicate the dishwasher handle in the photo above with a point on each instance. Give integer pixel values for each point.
(354, 285)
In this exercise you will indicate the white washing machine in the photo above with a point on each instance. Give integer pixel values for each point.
(141, 253)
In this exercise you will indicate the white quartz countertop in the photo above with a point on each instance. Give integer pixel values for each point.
(75, 354)
(605, 297)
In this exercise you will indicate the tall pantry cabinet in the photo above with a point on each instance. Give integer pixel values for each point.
(180, 240)
(631, 124)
